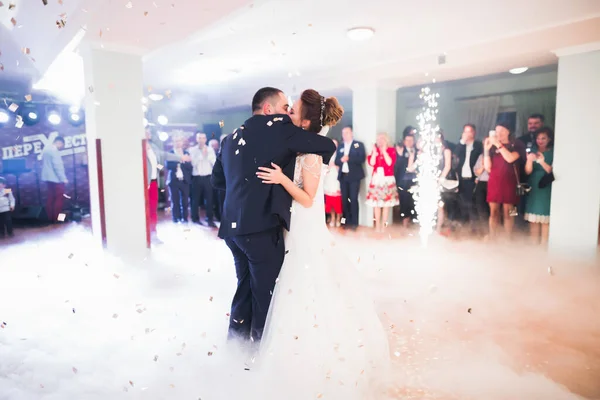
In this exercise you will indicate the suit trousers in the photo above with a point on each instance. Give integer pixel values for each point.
(258, 258)
(350, 190)
(466, 190)
(54, 202)
(6, 223)
(202, 193)
(179, 191)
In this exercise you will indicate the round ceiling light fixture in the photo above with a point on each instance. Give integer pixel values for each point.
(155, 97)
(517, 71)
(360, 33)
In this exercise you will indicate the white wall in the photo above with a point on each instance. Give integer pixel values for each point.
(450, 118)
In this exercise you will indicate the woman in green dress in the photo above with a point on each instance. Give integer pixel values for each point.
(537, 209)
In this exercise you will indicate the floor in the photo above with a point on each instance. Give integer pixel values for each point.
(466, 319)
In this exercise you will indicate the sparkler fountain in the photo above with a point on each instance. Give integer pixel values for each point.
(427, 191)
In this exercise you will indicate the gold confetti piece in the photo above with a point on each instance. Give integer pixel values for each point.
(43, 1)
(319, 396)
(145, 13)
(210, 353)
(60, 23)
(13, 21)
(172, 386)
(28, 97)
(131, 383)
(25, 50)
(221, 124)
(19, 123)
(233, 224)
(469, 311)
(75, 370)
(11, 6)
(160, 167)
(100, 33)
(61, 217)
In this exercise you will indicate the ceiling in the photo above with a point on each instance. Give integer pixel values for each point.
(220, 53)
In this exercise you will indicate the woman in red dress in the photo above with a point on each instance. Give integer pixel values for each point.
(383, 193)
(501, 159)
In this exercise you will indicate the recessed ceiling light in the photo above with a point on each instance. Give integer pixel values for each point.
(360, 33)
(155, 97)
(517, 71)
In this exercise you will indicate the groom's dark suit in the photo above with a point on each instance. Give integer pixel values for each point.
(254, 213)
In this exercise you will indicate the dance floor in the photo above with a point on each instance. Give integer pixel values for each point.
(466, 320)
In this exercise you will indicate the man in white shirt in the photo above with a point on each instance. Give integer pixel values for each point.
(350, 158)
(467, 151)
(203, 160)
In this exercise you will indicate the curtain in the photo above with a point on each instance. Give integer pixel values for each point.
(482, 113)
(536, 102)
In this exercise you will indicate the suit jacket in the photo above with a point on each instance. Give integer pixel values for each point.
(186, 168)
(162, 157)
(53, 169)
(251, 206)
(461, 153)
(356, 158)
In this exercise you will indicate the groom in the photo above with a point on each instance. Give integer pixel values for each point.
(255, 214)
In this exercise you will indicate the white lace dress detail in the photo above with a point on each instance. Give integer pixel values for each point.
(322, 327)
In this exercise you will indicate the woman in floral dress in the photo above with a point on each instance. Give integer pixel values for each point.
(382, 194)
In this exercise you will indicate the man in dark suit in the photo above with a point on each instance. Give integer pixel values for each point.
(467, 153)
(255, 214)
(350, 159)
(179, 179)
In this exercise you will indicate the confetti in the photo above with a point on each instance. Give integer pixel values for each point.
(129, 5)
(160, 167)
(233, 225)
(210, 353)
(115, 316)
(469, 311)
(73, 311)
(75, 370)
(116, 276)
(221, 124)
(60, 23)
(61, 217)
(71, 255)
(28, 97)
(13, 21)
(1, 67)
(269, 123)
(43, 1)
(156, 358)
(13, 107)
(550, 271)
(11, 6)
(25, 50)
(19, 123)
(145, 13)
(210, 298)
(237, 152)
(3, 325)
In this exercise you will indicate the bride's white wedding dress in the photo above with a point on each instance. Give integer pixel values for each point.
(323, 338)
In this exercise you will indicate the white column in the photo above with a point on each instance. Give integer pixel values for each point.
(373, 111)
(575, 209)
(114, 115)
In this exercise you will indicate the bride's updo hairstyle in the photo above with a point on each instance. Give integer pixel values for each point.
(320, 111)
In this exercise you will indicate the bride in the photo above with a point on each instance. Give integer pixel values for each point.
(322, 338)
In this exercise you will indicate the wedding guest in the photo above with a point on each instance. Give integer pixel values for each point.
(53, 173)
(383, 193)
(333, 192)
(405, 172)
(480, 196)
(448, 182)
(467, 153)
(539, 168)
(179, 178)
(350, 159)
(7, 206)
(218, 195)
(203, 160)
(155, 161)
(501, 157)
(534, 123)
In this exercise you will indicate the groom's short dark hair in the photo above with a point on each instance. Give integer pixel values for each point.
(263, 95)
